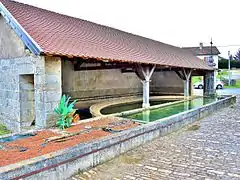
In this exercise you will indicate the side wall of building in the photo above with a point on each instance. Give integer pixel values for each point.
(215, 59)
(10, 45)
(166, 82)
(99, 83)
(15, 90)
(30, 86)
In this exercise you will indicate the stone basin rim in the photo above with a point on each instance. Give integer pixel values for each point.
(95, 109)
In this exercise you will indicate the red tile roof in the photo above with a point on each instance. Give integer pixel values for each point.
(62, 35)
(205, 50)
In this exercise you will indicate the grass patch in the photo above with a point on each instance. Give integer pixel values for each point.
(4, 130)
(237, 85)
(222, 74)
(196, 79)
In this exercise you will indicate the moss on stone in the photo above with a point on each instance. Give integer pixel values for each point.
(4, 130)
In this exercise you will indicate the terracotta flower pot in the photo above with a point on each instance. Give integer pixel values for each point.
(76, 118)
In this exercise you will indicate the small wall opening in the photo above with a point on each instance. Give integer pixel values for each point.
(27, 101)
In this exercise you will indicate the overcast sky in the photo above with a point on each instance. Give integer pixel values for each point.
(176, 22)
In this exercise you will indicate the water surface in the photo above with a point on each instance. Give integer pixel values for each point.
(130, 106)
(155, 114)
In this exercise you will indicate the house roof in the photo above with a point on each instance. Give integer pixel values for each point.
(49, 33)
(206, 50)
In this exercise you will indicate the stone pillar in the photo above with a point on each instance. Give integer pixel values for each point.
(191, 89)
(186, 87)
(146, 89)
(39, 89)
(48, 90)
(145, 93)
(147, 74)
(53, 88)
(215, 78)
(186, 81)
(209, 88)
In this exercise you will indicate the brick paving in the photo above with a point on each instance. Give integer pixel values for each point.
(208, 149)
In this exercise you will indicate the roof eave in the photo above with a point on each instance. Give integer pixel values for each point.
(19, 30)
(207, 68)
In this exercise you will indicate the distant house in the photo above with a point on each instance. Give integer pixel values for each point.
(209, 54)
(205, 52)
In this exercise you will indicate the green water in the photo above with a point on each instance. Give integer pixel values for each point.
(129, 106)
(155, 114)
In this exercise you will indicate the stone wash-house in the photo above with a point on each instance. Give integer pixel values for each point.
(45, 54)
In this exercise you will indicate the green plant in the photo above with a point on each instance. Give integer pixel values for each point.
(65, 111)
(3, 130)
(223, 64)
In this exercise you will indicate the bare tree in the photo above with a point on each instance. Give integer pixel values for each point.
(237, 56)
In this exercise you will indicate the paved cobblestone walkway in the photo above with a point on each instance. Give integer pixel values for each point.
(209, 149)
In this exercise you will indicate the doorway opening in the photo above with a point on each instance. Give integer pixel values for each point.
(27, 101)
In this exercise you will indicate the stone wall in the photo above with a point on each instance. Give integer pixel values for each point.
(15, 112)
(10, 45)
(10, 91)
(53, 88)
(166, 82)
(30, 86)
(113, 83)
(97, 83)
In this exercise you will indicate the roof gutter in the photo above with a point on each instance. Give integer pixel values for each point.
(19, 30)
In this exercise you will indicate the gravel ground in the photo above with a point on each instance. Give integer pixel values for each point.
(208, 149)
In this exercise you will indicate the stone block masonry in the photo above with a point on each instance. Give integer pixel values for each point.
(53, 88)
(95, 84)
(30, 86)
(46, 87)
(11, 69)
(10, 45)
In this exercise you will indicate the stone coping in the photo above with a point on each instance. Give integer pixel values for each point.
(95, 109)
(20, 133)
(64, 163)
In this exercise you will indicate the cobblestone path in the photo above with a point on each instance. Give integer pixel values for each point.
(208, 149)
